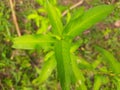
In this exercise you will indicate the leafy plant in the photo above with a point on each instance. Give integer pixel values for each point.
(112, 63)
(4, 16)
(59, 40)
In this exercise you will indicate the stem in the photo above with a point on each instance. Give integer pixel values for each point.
(14, 18)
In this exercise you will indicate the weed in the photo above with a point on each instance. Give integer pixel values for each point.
(59, 46)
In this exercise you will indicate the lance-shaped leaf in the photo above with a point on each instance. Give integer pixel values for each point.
(46, 71)
(78, 13)
(89, 18)
(76, 45)
(83, 64)
(55, 18)
(62, 54)
(32, 41)
(114, 65)
(79, 77)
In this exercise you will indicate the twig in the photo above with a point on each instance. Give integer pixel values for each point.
(72, 7)
(14, 18)
(66, 11)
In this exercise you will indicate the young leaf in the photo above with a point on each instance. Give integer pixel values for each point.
(32, 41)
(55, 18)
(46, 71)
(110, 60)
(89, 18)
(62, 54)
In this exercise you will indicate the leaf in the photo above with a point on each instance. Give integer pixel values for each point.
(48, 55)
(116, 81)
(46, 71)
(96, 63)
(55, 18)
(80, 79)
(32, 41)
(114, 65)
(83, 64)
(89, 18)
(27, 88)
(68, 17)
(76, 45)
(78, 13)
(99, 80)
(62, 54)
(97, 83)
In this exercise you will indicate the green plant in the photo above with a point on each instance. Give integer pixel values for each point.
(4, 22)
(113, 65)
(59, 46)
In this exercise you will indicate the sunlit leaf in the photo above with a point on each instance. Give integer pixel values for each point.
(89, 18)
(48, 55)
(32, 41)
(62, 54)
(55, 18)
(68, 17)
(46, 71)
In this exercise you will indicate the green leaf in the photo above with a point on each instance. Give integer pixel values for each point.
(96, 63)
(78, 13)
(97, 83)
(41, 2)
(76, 45)
(114, 65)
(80, 80)
(68, 17)
(116, 81)
(89, 18)
(62, 54)
(32, 41)
(83, 64)
(99, 80)
(48, 55)
(46, 71)
(27, 88)
(55, 18)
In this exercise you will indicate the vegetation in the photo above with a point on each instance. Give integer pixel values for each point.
(60, 47)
